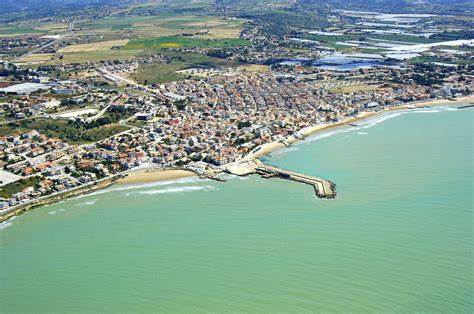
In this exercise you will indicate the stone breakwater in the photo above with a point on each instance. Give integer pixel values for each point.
(323, 188)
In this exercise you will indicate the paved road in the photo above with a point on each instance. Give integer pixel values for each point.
(70, 30)
(117, 78)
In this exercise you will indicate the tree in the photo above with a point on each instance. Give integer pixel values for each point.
(243, 124)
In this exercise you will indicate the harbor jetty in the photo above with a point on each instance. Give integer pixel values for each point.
(323, 188)
(466, 106)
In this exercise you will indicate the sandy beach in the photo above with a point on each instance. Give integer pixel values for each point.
(148, 175)
(312, 130)
(152, 175)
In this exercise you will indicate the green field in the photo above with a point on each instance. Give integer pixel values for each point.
(95, 56)
(165, 24)
(147, 34)
(115, 22)
(159, 72)
(182, 42)
(165, 72)
(13, 30)
(123, 26)
(63, 129)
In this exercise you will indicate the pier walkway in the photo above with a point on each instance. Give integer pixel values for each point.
(323, 188)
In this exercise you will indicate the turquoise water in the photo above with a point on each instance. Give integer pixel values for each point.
(398, 238)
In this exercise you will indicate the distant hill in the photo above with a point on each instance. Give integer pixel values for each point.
(433, 6)
(61, 6)
(21, 5)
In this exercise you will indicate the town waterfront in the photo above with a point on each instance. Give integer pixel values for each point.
(398, 237)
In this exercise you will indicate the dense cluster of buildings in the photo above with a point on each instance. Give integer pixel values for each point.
(215, 117)
(208, 122)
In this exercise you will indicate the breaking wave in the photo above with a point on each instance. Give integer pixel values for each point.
(364, 124)
(373, 121)
(359, 125)
(428, 111)
(155, 184)
(285, 150)
(6, 224)
(138, 186)
(54, 212)
(178, 189)
(88, 203)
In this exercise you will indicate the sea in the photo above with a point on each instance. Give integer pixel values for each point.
(397, 239)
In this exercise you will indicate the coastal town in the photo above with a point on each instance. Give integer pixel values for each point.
(236, 156)
(73, 127)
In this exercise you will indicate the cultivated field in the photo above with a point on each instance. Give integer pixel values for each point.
(96, 46)
(94, 56)
(52, 27)
(164, 72)
(12, 31)
(179, 42)
(132, 36)
(166, 25)
(254, 68)
(35, 58)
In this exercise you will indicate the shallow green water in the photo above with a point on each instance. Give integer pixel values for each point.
(398, 238)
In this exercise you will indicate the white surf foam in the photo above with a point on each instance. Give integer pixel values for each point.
(7, 223)
(428, 111)
(140, 186)
(367, 123)
(320, 136)
(155, 184)
(54, 212)
(177, 189)
(88, 203)
(228, 176)
(285, 150)
(371, 122)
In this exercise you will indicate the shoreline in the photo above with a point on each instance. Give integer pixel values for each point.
(57, 197)
(149, 175)
(155, 174)
(267, 148)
